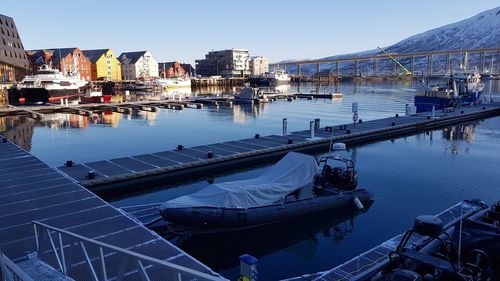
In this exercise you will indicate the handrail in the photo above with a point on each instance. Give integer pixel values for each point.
(9, 271)
(177, 268)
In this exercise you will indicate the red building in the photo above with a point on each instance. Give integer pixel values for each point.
(67, 60)
(171, 70)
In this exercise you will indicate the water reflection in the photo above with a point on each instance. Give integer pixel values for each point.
(298, 237)
(19, 130)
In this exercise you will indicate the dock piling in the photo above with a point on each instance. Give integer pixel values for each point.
(285, 127)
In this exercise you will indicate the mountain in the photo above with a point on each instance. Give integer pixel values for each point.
(478, 32)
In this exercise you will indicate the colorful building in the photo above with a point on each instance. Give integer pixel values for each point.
(137, 65)
(171, 69)
(67, 60)
(13, 60)
(104, 65)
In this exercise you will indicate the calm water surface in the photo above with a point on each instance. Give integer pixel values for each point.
(420, 174)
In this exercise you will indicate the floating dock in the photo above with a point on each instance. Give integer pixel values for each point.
(76, 232)
(137, 172)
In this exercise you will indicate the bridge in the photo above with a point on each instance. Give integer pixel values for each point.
(435, 62)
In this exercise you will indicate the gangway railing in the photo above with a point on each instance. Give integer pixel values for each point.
(94, 255)
(9, 271)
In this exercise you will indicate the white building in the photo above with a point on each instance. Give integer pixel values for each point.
(229, 63)
(136, 65)
(258, 66)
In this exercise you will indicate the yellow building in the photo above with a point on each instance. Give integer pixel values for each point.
(105, 66)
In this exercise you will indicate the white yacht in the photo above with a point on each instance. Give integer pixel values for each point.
(173, 83)
(50, 85)
(277, 77)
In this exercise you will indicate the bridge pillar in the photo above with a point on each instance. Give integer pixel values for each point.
(448, 64)
(482, 60)
(318, 70)
(298, 71)
(375, 67)
(337, 68)
(429, 65)
(357, 68)
(412, 64)
(394, 72)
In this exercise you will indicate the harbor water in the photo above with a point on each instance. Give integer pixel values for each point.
(409, 176)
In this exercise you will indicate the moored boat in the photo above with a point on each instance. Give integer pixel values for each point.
(94, 94)
(48, 85)
(460, 89)
(273, 78)
(173, 83)
(250, 95)
(283, 192)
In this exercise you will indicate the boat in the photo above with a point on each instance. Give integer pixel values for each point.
(173, 83)
(94, 94)
(283, 192)
(140, 86)
(48, 85)
(460, 89)
(273, 78)
(250, 95)
(460, 243)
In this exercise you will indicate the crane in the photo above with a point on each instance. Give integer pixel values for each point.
(406, 71)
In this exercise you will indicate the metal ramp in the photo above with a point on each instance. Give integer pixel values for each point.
(31, 191)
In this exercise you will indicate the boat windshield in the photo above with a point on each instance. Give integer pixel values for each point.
(335, 163)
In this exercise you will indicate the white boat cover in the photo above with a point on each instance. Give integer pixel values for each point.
(292, 172)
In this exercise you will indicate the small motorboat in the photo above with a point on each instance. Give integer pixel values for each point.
(284, 191)
(250, 95)
(94, 94)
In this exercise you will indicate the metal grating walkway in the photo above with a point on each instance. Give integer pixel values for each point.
(30, 190)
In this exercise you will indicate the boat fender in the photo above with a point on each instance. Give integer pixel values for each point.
(358, 203)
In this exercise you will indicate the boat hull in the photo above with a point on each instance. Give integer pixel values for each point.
(425, 103)
(42, 95)
(237, 218)
(97, 99)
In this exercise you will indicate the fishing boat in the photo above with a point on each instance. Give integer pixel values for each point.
(273, 78)
(250, 95)
(283, 192)
(48, 85)
(460, 89)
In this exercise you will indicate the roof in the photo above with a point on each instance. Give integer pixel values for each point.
(57, 54)
(165, 65)
(132, 56)
(94, 55)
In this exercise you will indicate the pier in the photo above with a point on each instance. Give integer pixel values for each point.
(137, 172)
(52, 227)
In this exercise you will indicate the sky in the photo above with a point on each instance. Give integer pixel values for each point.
(185, 30)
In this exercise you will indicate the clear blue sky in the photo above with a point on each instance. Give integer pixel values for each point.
(185, 30)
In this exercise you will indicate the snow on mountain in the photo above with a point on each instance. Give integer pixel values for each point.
(478, 32)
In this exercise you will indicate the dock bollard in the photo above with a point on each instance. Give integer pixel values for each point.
(210, 154)
(316, 124)
(257, 136)
(360, 121)
(4, 140)
(348, 131)
(180, 147)
(290, 141)
(285, 126)
(69, 163)
(248, 268)
(461, 112)
(311, 129)
(393, 124)
(397, 115)
(91, 175)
